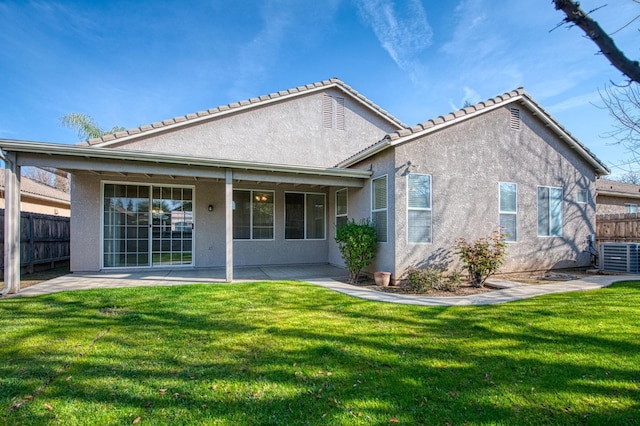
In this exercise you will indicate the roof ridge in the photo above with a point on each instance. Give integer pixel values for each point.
(334, 81)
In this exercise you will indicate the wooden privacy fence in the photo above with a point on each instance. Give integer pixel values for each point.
(618, 228)
(44, 239)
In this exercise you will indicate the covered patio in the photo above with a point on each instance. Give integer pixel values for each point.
(108, 165)
(166, 277)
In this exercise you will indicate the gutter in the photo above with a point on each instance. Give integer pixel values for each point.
(618, 194)
(114, 154)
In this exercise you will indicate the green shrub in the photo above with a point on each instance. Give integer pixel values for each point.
(483, 257)
(357, 245)
(421, 280)
(430, 278)
(453, 281)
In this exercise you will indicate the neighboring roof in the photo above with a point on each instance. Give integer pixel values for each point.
(617, 189)
(39, 190)
(209, 114)
(518, 95)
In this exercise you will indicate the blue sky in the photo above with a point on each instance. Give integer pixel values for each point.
(129, 63)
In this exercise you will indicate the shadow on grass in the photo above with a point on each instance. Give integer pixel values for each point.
(275, 353)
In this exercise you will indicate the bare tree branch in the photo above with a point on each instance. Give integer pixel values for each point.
(593, 30)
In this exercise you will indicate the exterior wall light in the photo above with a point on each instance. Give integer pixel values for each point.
(210, 208)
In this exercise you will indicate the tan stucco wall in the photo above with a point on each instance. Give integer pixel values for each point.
(288, 132)
(209, 238)
(31, 205)
(467, 161)
(607, 204)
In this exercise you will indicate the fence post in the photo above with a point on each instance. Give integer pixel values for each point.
(30, 243)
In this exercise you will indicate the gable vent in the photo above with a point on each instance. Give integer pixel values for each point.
(340, 113)
(327, 111)
(514, 120)
(332, 112)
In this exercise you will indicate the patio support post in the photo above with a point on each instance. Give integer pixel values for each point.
(11, 224)
(228, 209)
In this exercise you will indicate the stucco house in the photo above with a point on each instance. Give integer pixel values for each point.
(615, 197)
(266, 181)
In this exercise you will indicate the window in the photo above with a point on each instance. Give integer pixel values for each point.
(582, 197)
(549, 211)
(379, 207)
(304, 216)
(631, 208)
(509, 210)
(418, 208)
(253, 215)
(341, 207)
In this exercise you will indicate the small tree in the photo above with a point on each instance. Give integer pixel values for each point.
(483, 257)
(357, 244)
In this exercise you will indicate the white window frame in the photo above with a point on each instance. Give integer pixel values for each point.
(306, 212)
(550, 209)
(344, 215)
(150, 251)
(384, 209)
(631, 208)
(510, 239)
(252, 198)
(582, 197)
(425, 209)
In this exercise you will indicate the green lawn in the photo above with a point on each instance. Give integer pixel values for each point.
(292, 353)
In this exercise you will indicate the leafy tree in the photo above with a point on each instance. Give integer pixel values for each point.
(357, 243)
(85, 126)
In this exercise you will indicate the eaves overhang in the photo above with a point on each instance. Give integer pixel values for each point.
(618, 194)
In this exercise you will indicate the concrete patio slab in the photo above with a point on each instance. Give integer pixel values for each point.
(158, 277)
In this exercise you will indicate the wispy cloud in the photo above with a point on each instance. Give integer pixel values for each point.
(470, 15)
(281, 21)
(592, 98)
(403, 34)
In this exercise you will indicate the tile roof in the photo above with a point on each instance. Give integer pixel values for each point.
(31, 187)
(613, 186)
(442, 121)
(244, 104)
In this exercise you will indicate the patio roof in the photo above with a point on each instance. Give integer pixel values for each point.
(104, 160)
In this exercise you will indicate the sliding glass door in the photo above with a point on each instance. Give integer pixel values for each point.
(147, 225)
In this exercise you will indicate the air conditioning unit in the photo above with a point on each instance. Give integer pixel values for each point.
(619, 257)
